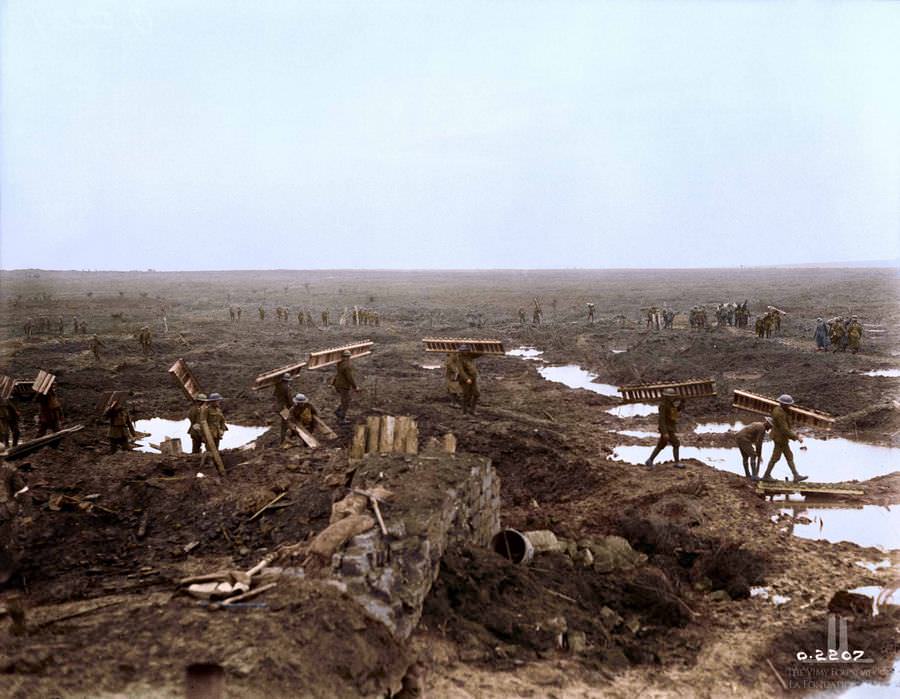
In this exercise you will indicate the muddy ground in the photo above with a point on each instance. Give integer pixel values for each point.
(683, 625)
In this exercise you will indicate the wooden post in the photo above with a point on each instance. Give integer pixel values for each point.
(358, 445)
(450, 443)
(373, 425)
(400, 431)
(412, 439)
(386, 436)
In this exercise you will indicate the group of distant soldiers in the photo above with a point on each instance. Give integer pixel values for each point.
(44, 325)
(355, 316)
(698, 318)
(840, 334)
(768, 324)
(732, 314)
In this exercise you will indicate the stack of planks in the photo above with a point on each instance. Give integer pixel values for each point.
(385, 434)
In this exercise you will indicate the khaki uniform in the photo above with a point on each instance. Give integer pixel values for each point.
(667, 423)
(782, 434)
(121, 429)
(344, 381)
(9, 422)
(304, 415)
(451, 375)
(837, 336)
(468, 380)
(749, 441)
(283, 399)
(96, 344)
(194, 430)
(854, 335)
(49, 413)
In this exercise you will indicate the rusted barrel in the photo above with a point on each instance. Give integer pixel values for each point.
(513, 545)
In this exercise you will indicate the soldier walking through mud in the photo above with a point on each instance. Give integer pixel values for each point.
(522, 317)
(232, 314)
(668, 422)
(782, 434)
(590, 313)
(96, 344)
(194, 430)
(29, 327)
(451, 377)
(262, 313)
(468, 378)
(854, 334)
(50, 413)
(82, 327)
(215, 418)
(283, 401)
(121, 429)
(838, 335)
(821, 335)
(145, 338)
(9, 422)
(60, 326)
(324, 319)
(74, 325)
(344, 381)
(749, 441)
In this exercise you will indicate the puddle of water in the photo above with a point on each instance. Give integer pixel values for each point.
(576, 377)
(869, 690)
(718, 427)
(764, 593)
(874, 567)
(634, 410)
(823, 460)
(869, 525)
(891, 373)
(430, 366)
(617, 351)
(159, 429)
(639, 434)
(881, 596)
(526, 353)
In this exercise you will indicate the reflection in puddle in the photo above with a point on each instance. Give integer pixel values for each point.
(763, 592)
(525, 353)
(159, 429)
(823, 460)
(634, 410)
(576, 377)
(718, 427)
(881, 596)
(869, 525)
(639, 434)
(891, 373)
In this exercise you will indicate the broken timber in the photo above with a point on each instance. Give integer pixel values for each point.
(785, 487)
(752, 403)
(452, 344)
(692, 388)
(327, 357)
(43, 382)
(185, 379)
(385, 434)
(271, 377)
(34, 444)
(307, 438)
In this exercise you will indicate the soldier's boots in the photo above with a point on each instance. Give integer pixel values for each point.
(649, 462)
(677, 463)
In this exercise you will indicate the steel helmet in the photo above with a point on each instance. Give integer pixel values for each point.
(299, 399)
(785, 399)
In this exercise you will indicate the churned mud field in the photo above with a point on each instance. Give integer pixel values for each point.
(664, 582)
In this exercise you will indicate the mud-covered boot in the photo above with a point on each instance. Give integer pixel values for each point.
(649, 462)
(677, 463)
(767, 476)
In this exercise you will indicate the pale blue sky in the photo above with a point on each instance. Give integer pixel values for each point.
(220, 134)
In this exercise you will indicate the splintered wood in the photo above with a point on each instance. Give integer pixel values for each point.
(385, 434)
(43, 382)
(24, 448)
(693, 388)
(452, 344)
(333, 355)
(185, 379)
(271, 377)
(752, 403)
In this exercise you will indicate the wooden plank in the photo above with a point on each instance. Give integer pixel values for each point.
(43, 382)
(211, 443)
(386, 434)
(373, 427)
(307, 438)
(185, 379)
(24, 448)
(452, 344)
(761, 405)
(412, 439)
(269, 378)
(785, 487)
(401, 429)
(328, 357)
(320, 423)
(7, 383)
(358, 445)
(692, 388)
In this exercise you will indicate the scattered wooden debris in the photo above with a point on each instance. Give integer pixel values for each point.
(32, 445)
(227, 586)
